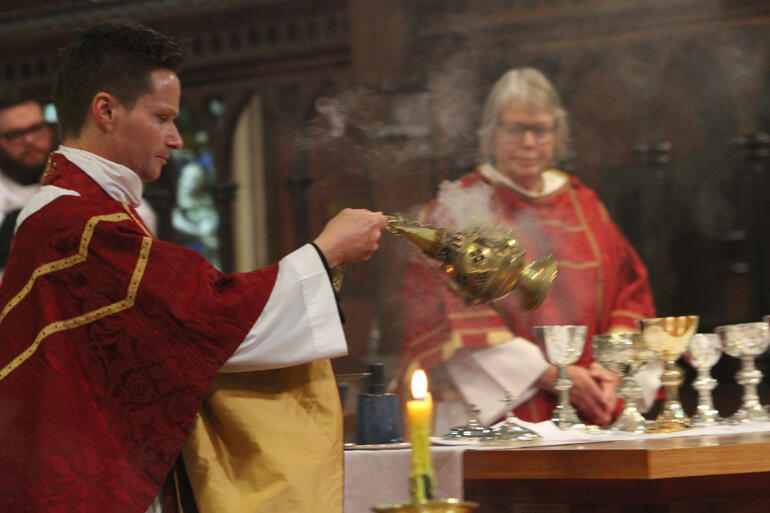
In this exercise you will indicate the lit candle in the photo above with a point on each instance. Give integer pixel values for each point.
(420, 411)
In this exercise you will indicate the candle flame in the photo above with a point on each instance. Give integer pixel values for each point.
(419, 384)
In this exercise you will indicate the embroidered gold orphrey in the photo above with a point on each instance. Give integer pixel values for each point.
(64, 263)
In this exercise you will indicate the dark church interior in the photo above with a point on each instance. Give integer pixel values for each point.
(295, 109)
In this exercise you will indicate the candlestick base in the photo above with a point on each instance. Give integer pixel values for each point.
(442, 506)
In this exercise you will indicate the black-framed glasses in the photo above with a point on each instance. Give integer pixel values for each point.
(16, 136)
(515, 132)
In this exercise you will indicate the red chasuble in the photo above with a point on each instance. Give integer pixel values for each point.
(601, 283)
(109, 341)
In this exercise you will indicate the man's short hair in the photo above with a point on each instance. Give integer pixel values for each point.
(10, 97)
(116, 57)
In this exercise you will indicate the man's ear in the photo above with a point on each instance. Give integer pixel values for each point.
(104, 107)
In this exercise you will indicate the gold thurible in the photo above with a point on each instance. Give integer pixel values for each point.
(484, 263)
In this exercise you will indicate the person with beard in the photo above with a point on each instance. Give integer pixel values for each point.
(26, 139)
(122, 354)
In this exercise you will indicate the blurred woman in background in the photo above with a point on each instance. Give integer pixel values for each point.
(474, 354)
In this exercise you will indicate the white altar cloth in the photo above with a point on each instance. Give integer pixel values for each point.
(375, 477)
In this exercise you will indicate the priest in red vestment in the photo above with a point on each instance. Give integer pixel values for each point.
(476, 354)
(110, 339)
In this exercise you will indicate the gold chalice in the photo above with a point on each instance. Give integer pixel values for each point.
(484, 263)
(668, 338)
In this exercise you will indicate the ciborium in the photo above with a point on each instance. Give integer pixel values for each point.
(510, 432)
(563, 346)
(484, 263)
(473, 430)
(703, 353)
(625, 354)
(668, 338)
(747, 341)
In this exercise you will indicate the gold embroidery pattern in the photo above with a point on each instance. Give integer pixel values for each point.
(448, 347)
(429, 334)
(594, 247)
(626, 313)
(472, 315)
(63, 263)
(87, 317)
(563, 225)
(136, 220)
(582, 265)
(49, 165)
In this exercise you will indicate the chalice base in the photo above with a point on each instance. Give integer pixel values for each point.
(671, 419)
(630, 421)
(510, 433)
(565, 417)
(705, 415)
(442, 506)
(750, 413)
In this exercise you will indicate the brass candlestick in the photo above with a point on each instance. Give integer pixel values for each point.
(484, 263)
(444, 506)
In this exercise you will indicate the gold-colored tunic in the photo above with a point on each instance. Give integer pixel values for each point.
(269, 442)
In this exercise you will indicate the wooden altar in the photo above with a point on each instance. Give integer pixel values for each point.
(699, 474)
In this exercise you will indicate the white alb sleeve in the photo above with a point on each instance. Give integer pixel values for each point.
(300, 322)
(649, 379)
(483, 375)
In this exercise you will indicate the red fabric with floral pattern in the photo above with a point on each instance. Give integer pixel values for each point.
(105, 361)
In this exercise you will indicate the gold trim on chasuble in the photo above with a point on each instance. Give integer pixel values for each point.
(454, 341)
(626, 313)
(49, 165)
(594, 248)
(137, 220)
(64, 263)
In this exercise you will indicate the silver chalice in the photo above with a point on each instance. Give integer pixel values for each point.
(703, 353)
(563, 346)
(625, 354)
(747, 341)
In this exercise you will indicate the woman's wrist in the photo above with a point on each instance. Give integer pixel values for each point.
(547, 379)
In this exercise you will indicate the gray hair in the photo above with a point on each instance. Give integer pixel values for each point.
(526, 85)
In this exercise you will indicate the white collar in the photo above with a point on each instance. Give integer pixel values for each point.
(552, 180)
(14, 195)
(118, 181)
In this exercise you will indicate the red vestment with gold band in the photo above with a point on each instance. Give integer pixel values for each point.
(109, 341)
(601, 282)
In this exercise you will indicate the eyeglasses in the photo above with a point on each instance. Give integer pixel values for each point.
(515, 132)
(17, 136)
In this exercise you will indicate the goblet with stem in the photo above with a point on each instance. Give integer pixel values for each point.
(703, 353)
(668, 338)
(747, 341)
(625, 354)
(563, 346)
